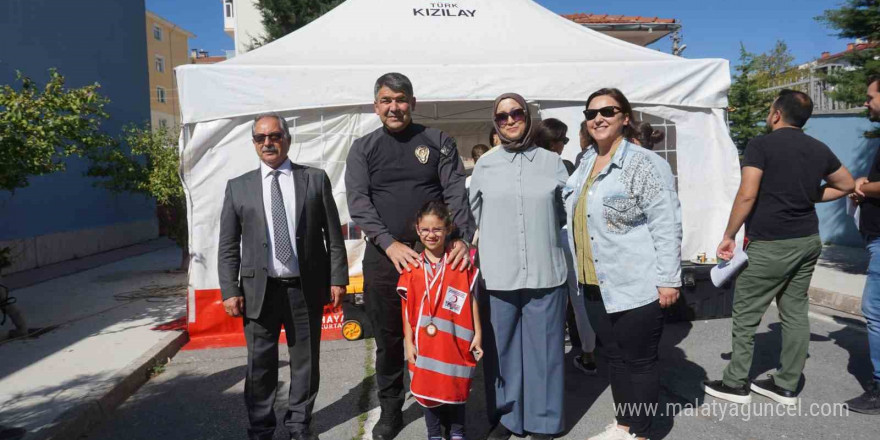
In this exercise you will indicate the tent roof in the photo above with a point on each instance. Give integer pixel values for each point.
(473, 51)
(370, 32)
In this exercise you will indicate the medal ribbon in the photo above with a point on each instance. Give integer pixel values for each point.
(438, 275)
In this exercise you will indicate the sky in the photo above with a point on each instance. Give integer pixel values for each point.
(710, 28)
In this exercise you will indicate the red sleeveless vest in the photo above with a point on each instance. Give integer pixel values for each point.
(444, 364)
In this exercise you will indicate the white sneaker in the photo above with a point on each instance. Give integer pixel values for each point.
(613, 432)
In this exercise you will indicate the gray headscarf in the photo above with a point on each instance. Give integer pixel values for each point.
(526, 140)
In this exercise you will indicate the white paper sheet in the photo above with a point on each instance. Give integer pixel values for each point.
(725, 270)
(853, 210)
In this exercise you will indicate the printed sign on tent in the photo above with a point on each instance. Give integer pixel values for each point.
(444, 10)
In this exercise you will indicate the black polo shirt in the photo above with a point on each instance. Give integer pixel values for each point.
(869, 219)
(794, 166)
(390, 176)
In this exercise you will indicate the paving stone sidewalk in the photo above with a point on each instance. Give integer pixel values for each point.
(100, 346)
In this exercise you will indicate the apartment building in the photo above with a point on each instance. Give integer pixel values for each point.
(167, 48)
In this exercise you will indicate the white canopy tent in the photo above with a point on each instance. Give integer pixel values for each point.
(459, 58)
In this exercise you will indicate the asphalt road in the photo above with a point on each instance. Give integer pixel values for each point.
(199, 395)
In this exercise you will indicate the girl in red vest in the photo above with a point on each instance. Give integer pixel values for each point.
(441, 327)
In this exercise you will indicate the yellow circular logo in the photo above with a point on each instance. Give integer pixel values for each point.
(352, 331)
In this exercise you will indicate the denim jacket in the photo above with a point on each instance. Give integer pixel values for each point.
(634, 222)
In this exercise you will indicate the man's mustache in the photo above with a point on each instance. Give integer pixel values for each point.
(269, 150)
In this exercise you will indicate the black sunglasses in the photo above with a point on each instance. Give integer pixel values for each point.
(518, 115)
(606, 112)
(274, 137)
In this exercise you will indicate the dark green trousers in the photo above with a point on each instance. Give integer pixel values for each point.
(779, 269)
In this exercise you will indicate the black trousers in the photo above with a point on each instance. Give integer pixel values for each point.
(284, 305)
(630, 340)
(451, 416)
(382, 303)
(573, 336)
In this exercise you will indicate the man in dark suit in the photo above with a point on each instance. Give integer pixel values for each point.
(281, 258)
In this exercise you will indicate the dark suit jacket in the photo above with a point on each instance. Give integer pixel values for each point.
(243, 251)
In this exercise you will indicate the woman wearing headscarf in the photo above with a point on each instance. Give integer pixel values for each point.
(624, 223)
(516, 198)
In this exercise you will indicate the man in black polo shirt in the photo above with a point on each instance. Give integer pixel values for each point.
(867, 192)
(781, 182)
(390, 174)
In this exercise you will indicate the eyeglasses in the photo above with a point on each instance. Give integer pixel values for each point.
(606, 112)
(564, 141)
(426, 232)
(274, 137)
(518, 115)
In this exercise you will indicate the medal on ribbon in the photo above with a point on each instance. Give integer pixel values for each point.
(431, 329)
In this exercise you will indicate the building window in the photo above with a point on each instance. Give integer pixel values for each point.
(160, 94)
(228, 7)
(160, 64)
(163, 124)
(157, 32)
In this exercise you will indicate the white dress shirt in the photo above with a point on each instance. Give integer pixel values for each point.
(276, 268)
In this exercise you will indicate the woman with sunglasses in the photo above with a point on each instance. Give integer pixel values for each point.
(624, 224)
(516, 200)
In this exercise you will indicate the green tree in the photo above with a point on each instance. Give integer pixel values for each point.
(748, 105)
(775, 65)
(281, 17)
(855, 19)
(41, 127)
(748, 98)
(151, 169)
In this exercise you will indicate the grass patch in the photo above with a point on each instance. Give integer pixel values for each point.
(366, 389)
(158, 368)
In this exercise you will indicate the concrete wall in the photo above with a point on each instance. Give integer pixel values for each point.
(248, 24)
(63, 215)
(844, 135)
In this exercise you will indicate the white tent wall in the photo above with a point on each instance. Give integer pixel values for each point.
(708, 174)
(249, 90)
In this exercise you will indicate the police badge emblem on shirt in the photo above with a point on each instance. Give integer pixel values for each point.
(422, 153)
(454, 300)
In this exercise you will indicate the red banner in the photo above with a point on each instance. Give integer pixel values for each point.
(213, 328)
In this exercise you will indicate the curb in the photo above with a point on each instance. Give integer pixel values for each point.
(836, 301)
(101, 403)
